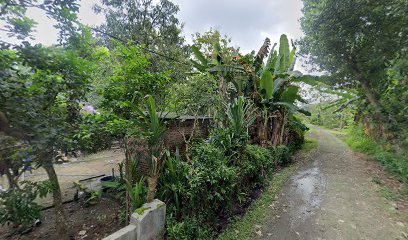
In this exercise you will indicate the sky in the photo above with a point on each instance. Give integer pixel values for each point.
(246, 22)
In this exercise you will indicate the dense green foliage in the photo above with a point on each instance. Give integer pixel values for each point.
(201, 193)
(88, 94)
(362, 45)
(197, 95)
(18, 206)
(322, 115)
(394, 163)
(153, 26)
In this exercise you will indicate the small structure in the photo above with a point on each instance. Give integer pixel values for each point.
(181, 129)
(147, 223)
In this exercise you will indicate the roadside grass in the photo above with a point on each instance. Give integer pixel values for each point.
(309, 144)
(390, 194)
(311, 129)
(393, 163)
(244, 228)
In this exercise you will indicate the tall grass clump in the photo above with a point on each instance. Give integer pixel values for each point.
(396, 164)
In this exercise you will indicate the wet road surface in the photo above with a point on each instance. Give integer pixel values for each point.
(331, 197)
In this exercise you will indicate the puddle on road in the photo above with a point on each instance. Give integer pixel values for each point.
(305, 194)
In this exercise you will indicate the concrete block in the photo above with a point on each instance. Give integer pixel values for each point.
(150, 220)
(126, 233)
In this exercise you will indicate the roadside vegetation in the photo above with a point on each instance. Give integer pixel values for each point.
(394, 163)
(105, 86)
(101, 87)
(245, 227)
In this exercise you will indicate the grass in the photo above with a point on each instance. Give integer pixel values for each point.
(309, 144)
(244, 228)
(257, 213)
(390, 193)
(393, 163)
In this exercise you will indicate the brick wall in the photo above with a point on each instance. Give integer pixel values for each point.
(173, 137)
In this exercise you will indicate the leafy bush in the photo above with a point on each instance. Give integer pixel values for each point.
(18, 206)
(137, 191)
(296, 134)
(173, 185)
(281, 155)
(228, 142)
(256, 163)
(211, 181)
(189, 228)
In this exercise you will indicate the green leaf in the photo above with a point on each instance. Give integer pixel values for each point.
(216, 54)
(227, 68)
(292, 108)
(277, 84)
(284, 53)
(290, 94)
(278, 65)
(270, 63)
(199, 55)
(197, 65)
(267, 83)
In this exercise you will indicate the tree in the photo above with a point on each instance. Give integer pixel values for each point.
(354, 41)
(205, 42)
(42, 87)
(124, 79)
(122, 82)
(41, 104)
(154, 27)
(197, 95)
(18, 25)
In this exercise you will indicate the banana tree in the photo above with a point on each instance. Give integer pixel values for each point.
(268, 84)
(274, 89)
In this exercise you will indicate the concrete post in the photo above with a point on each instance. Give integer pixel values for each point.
(146, 223)
(150, 220)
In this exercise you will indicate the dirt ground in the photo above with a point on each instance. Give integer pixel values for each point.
(335, 195)
(84, 222)
(95, 221)
(74, 170)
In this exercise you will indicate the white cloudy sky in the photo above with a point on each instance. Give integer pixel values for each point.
(247, 22)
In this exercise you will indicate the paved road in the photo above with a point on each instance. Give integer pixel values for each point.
(332, 197)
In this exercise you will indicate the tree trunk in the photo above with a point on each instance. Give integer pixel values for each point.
(12, 184)
(60, 221)
(284, 121)
(372, 98)
(262, 123)
(276, 129)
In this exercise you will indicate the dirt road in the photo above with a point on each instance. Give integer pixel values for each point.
(84, 167)
(332, 196)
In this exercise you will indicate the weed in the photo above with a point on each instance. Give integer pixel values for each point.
(309, 144)
(243, 228)
(376, 180)
(390, 193)
(392, 162)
